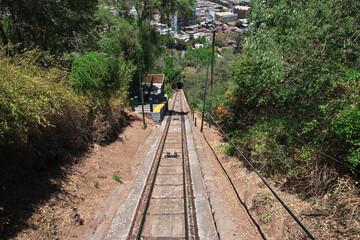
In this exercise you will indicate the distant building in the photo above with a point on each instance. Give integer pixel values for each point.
(242, 11)
(226, 16)
(174, 21)
(186, 21)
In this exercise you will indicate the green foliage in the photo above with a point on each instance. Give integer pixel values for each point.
(125, 73)
(116, 177)
(195, 82)
(338, 120)
(218, 43)
(195, 87)
(292, 68)
(198, 21)
(229, 149)
(266, 218)
(95, 182)
(173, 69)
(268, 197)
(168, 90)
(90, 72)
(201, 40)
(31, 96)
(239, 23)
(47, 23)
(120, 39)
(269, 149)
(198, 56)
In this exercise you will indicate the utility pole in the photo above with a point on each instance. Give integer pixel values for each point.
(212, 74)
(204, 102)
(142, 95)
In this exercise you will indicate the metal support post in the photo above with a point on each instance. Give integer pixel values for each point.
(204, 102)
(132, 104)
(136, 101)
(151, 104)
(142, 96)
(212, 75)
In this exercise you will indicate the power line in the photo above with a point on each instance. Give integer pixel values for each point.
(326, 155)
(265, 182)
(235, 190)
(304, 143)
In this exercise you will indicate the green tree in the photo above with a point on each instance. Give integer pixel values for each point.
(173, 70)
(50, 24)
(90, 73)
(198, 56)
(239, 23)
(294, 67)
(149, 39)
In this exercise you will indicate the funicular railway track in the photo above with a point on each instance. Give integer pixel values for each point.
(166, 209)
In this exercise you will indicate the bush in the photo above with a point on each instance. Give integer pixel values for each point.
(43, 118)
(90, 72)
(31, 96)
(285, 74)
(198, 56)
(168, 90)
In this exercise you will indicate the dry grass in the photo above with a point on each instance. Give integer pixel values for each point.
(336, 214)
(44, 124)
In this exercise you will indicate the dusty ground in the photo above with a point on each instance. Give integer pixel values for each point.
(90, 187)
(70, 213)
(258, 215)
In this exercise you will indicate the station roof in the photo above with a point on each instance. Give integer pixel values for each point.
(157, 78)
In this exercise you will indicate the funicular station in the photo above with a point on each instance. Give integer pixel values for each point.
(155, 101)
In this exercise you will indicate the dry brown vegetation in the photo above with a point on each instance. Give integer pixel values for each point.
(45, 125)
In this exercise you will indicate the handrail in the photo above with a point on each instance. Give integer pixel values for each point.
(265, 182)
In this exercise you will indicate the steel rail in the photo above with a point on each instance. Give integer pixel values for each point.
(142, 222)
(192, 222)
(184, 173)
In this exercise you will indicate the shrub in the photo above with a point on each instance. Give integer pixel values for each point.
(30, 96)
(116, 177)
(198, 56)
(90, 72)
(168, 90)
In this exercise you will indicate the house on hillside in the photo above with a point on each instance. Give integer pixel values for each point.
(242, 11)
(226, 16)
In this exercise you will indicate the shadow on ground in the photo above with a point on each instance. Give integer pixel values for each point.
(31, 175)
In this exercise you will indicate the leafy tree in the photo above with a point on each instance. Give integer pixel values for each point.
(191, 37)
(90, 73)
(145, 9)
(218, 43)
(173, 70)
(201, 40)
(295, 67)
(198, 56)
(48, 23)
(149, 39)
(239, 23)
